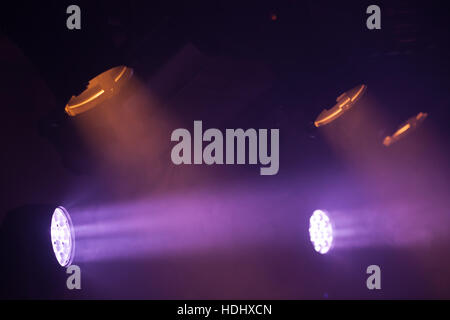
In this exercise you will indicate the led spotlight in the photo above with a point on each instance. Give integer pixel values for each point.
(344, 102)
(320, 231)
(410, 125)
(101, 88)
(62, 235)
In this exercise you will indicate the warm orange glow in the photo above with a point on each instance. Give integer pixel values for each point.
(411, 124)
(344, 103)
(387, 141)
(402, 129)
(421, 115)
(98, 94)
(317, 123)
(358, 93)
(101, 88)
(120, 74)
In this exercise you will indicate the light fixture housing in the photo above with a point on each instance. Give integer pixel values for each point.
(409, 126)
(62, 236)
(101, 88)
(343, 103)
(321, 231)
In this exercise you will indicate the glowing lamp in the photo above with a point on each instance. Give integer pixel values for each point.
(343, 103)
(409, 126)
(101, 88)
(320, 231)
(62, 236)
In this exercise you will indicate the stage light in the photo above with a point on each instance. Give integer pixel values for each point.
(320, 231)
(100, 88)
(62, 236)
(344, 102)
(410, 125)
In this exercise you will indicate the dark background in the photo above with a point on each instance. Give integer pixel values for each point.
(258, 64)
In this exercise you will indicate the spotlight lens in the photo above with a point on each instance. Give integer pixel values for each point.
(62, 235)
(100, 88)
(320, 231)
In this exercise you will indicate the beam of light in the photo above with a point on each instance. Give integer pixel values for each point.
(62, 236)
(401, 183)
(213, 220)
(127, 135)
(107, 85)
(356, 140)
(176, 225)
(321, 231)
(185, 223)
(397, 223)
